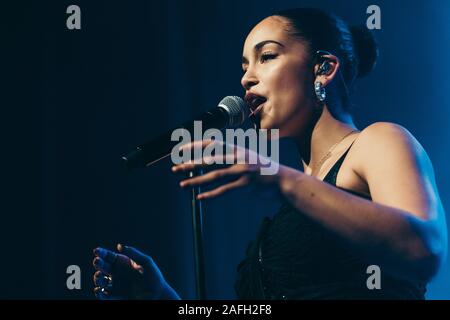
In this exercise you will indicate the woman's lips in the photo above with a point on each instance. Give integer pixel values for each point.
(254, 101)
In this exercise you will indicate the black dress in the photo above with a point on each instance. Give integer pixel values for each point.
(294, 257)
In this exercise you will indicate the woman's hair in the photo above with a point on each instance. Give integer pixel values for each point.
(355, 46)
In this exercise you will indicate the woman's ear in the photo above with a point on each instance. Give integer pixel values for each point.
(327, 69)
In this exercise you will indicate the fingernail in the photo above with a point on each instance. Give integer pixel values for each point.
(174, 169)
(182, 184)
(119, 247)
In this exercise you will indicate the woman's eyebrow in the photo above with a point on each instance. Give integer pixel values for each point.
(259, 46)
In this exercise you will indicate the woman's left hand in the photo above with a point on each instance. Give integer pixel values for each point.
(246, 168)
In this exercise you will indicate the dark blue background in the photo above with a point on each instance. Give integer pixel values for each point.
(78, 100)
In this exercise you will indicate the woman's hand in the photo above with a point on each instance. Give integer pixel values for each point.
(129, 274)
(246, 169)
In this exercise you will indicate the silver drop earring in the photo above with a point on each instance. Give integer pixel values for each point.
(320, 91)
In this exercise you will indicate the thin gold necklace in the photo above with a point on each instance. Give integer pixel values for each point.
(329, 152)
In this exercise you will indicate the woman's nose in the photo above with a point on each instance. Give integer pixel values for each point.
(248, 81)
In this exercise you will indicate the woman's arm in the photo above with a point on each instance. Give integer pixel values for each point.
(404, 226)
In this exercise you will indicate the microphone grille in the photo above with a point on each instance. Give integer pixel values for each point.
(236, 109)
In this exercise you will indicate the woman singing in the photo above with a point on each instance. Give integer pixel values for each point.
(366, 196)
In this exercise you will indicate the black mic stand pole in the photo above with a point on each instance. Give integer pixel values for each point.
(198, 239)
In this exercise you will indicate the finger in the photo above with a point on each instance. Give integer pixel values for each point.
(213, 175)
(101, 279)
(222, 189)
(218, 160)
(217, 146)
(96, 275)
(102, 293)
(198, 144)
(137, 266)
(189, 166)
(204, 161)
(107, 255)
(206, 178)
(102, 265)
(134, 255)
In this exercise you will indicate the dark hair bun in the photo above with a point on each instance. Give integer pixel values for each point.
(366, 49)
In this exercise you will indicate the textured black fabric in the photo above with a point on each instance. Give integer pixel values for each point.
(294, 257)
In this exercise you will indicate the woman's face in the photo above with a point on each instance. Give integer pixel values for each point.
(277, 78)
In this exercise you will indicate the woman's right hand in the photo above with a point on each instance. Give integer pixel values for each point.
(129, 274)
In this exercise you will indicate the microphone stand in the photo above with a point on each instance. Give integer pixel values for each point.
(198, 239)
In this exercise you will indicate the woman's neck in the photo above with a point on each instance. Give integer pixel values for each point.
(314, 144)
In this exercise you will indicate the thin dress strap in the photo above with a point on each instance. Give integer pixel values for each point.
(332, 174)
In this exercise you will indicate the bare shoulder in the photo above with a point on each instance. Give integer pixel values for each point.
(396, 168)
(384, 133)
(383, 142)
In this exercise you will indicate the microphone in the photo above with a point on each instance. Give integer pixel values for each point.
(231, 112)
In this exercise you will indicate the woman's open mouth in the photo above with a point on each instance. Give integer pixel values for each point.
(255, 103)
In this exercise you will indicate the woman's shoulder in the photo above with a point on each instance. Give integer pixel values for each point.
(382, 130)
(385, 140)
(395, 166)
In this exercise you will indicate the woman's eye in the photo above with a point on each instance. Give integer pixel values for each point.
(268, 56)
